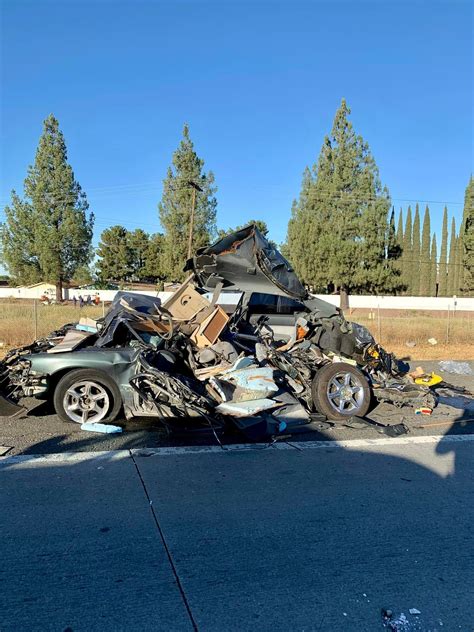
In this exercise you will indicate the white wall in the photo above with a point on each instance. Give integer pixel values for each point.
(426, 303)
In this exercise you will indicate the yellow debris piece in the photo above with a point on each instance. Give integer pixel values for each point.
(429, 380)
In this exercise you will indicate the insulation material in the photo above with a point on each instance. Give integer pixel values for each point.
(246, 409)
(71, 341)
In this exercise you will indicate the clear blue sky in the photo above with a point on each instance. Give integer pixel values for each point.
(258, 83)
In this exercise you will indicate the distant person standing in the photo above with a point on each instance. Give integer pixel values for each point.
(74, 300)
(97, 299)
(89, 300)
(81, 301)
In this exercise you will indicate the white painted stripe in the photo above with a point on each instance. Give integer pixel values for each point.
(386, 441)
(65, 457)
(242, 447)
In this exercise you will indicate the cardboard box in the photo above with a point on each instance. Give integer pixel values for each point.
(210, 329)
(186, 303)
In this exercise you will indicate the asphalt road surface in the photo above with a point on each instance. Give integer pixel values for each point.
(314, 536)
(42, 432)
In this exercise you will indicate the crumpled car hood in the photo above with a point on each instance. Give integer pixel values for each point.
(246, 261)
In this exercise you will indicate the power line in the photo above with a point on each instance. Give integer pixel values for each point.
(108, 191)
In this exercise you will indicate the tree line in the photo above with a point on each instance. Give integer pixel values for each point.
(342, 235)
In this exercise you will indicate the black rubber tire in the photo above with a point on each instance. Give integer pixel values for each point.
(92, 375)
(319, 391)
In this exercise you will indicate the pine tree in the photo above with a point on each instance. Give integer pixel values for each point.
(115, 261)
(304, 213)
(338, 231)
(416, 254)
(153, 269)
(399, 240)
(407, 264)
(48, 235)
(443, 270)
(468, 240)
(425, 261)
(179, 197)
(434, 267)
(452, 260)
(137, 242)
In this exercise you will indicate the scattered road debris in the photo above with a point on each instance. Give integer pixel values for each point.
(414, 611)
(103, 428)
(410, 344)
(432, 341)
(387, 614)
(4, 449)
(423, 411)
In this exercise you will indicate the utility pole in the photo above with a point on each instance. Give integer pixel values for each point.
(195, 188)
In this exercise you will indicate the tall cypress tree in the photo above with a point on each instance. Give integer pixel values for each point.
(468, 240)
(443, 270)
(47, 236)
(400, 229)
(452, 260)
(416, 254)
(425, 261)
(407, 267)
(434, 267)
(338, 233)
(175, 208)
(399, 240)
(457, 263)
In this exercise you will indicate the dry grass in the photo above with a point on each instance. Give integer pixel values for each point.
(17, 322)
(455, 340)
(393, 332)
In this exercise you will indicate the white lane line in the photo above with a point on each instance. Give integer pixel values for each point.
(67, 456)
(233, 448)
(386, 441)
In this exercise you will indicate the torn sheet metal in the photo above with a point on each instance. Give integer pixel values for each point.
(245, 260)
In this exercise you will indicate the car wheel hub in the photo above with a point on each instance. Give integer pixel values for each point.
(86, 401)
(345, 393)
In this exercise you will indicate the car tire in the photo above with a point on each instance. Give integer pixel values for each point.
(340, 391)
(86, 395)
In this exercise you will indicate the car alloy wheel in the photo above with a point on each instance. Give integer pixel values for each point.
(86, 402)
(345, 393)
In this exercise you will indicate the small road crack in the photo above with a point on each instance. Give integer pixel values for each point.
(166, 547)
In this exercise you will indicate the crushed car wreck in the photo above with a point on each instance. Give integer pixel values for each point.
(197, 366)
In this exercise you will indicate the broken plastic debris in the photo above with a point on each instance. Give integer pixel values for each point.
(414, 611)
(410, 343)
(104, 428)
(432, 341)
(386, 613)
(458, 368)
(399, 624)
(424, 410)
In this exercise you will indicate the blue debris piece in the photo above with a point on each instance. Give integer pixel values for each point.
(104, 428)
